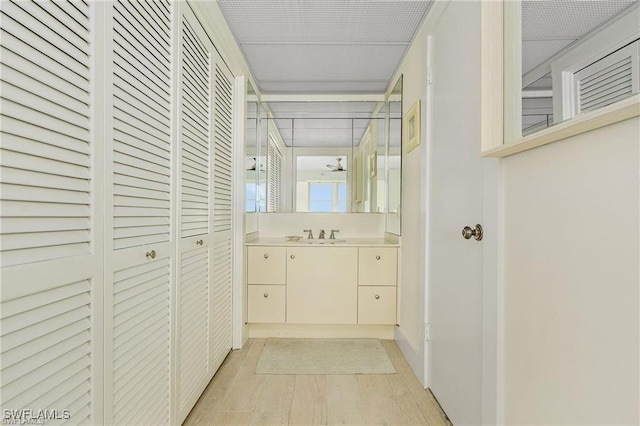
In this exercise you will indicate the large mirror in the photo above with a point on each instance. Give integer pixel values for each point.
(393, 167)
(331, 157)
(567, 58)
(251, 151)
(255, 153)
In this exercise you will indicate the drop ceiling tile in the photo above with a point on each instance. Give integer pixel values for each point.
(340, 21)
(323, 62)
(322, 109)
(567, 19)
(534, 52)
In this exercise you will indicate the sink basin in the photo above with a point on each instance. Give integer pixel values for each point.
(318, 241)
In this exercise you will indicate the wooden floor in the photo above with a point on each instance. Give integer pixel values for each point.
(238, 396)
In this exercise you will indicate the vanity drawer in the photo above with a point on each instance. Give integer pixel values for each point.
(376, 305)
(266, 265)
(377, 265)
(266, 304)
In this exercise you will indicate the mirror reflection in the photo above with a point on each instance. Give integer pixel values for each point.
(393, 169)
(575, 57)
(331, 157)
(251, 152)
(321, 184)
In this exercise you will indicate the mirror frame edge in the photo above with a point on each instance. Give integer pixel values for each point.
(494, 91)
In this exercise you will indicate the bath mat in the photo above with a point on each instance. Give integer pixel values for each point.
(324, 356)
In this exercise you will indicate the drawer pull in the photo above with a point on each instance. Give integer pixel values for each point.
(377, 296)
(199, 242)
(378, 257)
(151, 254)
(293, 256)
(266, 256)
(266, 295)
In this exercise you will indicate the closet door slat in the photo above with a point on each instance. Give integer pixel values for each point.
(45, 120)
(142, 122)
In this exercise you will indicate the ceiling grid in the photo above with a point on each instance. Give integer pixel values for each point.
(324, 46)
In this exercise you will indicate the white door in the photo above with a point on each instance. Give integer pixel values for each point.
(455, 281)
(221, 315)
(139, 257)
(51, 212)
(195, 177)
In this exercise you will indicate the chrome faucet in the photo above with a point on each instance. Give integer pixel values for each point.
(333, 234)
(310, 236)
(321, 236)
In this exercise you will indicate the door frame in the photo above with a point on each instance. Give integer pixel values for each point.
(492, 253)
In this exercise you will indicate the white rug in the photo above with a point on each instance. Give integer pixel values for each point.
(324, 356)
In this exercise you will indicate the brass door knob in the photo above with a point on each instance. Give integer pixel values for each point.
(266, 256)
(151, 254)
(468, 232)
(266, 295)
(378, 257)
(293, 256)
(377, 296)
(199, 242)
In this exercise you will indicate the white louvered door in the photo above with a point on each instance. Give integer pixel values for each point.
(193, 287)
(140, 243)
(221, 335)
(50, 207)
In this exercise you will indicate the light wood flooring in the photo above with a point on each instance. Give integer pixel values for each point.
(238, 396)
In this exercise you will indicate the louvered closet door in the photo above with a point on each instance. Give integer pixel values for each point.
(50, 244)
(222, 214)
(193, 289)
(140, 245)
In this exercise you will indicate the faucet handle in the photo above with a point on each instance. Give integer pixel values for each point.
(333, 234)
(310, 236)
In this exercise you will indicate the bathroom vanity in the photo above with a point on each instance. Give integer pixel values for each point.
(317, 282)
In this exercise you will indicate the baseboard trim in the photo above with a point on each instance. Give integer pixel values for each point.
(322, 331)
(413, 356)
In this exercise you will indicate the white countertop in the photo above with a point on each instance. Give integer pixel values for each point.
(348, 242)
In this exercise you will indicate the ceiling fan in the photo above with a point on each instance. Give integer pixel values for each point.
(253, 166)
(336, 167)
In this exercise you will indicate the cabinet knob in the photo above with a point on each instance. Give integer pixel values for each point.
(266, 295)
(377, 296)
(199, 242)
(266, 256)
(293, 256)
(378, 257)
(151, 254)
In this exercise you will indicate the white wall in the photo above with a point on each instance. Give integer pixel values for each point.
(351, 225)
(571, 221)
(410, 333)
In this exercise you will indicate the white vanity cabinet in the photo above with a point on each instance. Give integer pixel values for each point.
(376, 304)
(377, 265)
(322, 285)
(300, 284)
(266, 279)
(377, 280)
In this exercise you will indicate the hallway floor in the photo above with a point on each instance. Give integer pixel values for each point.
(238, 396)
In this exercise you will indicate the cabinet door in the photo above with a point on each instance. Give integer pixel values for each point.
(376, 305)
(266, 265)
(51, 245)
(195, 192)
(140, 258)
(322, 285)
(223, 226)
(377, 265)
(266, 304)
